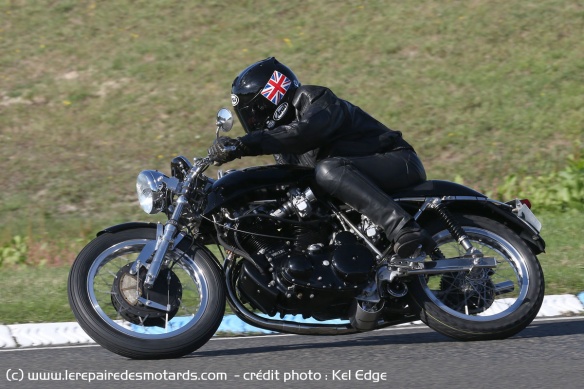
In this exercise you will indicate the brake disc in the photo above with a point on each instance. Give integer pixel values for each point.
(127, 288)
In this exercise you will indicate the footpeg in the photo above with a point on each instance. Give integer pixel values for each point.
(419, 257)
(406, 267)
(455, 265)
(416, 262)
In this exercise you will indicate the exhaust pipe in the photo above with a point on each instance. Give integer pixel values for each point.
(361, 319)
(365, 318)
(285, 326)
(504, 287)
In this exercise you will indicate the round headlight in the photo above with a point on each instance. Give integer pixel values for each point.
(151, 191)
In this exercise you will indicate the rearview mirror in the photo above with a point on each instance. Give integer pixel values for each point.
(224, 120)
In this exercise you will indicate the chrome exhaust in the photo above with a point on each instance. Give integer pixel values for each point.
(366, 320)
(365, 315)
(504, 287)
(285, 326)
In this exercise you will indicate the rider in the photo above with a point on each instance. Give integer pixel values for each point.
(356, 158)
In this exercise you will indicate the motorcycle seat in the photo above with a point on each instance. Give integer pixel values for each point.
(436, 188)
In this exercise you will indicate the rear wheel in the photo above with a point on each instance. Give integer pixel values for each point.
(106, 298)
(485, 303)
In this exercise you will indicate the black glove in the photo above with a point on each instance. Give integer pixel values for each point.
(225, 149)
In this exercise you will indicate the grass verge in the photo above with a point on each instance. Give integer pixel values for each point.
(91, 94)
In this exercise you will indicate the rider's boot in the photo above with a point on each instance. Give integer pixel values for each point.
(412, 241)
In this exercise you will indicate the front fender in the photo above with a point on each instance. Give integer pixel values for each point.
(187, 240)
(126, 226)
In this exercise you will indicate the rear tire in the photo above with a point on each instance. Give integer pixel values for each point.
(486, 305)
(202, 302)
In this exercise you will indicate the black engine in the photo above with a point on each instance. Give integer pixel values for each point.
(304, 264)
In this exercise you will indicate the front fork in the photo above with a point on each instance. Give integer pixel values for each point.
(154, 251)
(166, 238)
(169, 236)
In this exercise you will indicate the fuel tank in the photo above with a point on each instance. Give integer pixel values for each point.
(259, 182)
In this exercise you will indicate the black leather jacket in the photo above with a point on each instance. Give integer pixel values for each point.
(325, 126)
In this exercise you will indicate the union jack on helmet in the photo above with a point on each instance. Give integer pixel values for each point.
(262, 95)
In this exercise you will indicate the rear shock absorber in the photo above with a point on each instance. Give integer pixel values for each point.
(453, 227)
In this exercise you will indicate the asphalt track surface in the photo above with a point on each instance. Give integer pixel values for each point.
(547, 354)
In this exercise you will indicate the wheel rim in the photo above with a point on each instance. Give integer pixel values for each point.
(193, 302)
(484, 295)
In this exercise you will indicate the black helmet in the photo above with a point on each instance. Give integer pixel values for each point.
(262, 95)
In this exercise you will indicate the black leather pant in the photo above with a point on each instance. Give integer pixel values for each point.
(363, 183)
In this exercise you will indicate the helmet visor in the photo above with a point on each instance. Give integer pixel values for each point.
(254, 116)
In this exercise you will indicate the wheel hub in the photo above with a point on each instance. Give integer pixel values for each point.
(468, 293)
(128, 288)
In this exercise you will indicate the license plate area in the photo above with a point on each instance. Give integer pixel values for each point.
(524, 213)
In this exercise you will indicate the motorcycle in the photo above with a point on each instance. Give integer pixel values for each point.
(153, 291)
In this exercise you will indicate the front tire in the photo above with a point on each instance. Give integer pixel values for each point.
(485, 304)
(193, 276)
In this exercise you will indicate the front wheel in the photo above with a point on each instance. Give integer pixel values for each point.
(483, 304)
(107, 299)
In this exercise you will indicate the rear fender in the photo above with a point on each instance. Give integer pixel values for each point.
(496, 212)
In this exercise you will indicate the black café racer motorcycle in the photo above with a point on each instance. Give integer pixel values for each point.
(146, 290)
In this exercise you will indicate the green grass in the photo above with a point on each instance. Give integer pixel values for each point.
(92, 93)
(34, 295)
(563, 263)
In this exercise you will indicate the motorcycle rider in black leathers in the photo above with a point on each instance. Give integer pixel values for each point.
(356, 158)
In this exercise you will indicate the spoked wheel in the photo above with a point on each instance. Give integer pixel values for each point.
(484, 303)
(175, 317)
